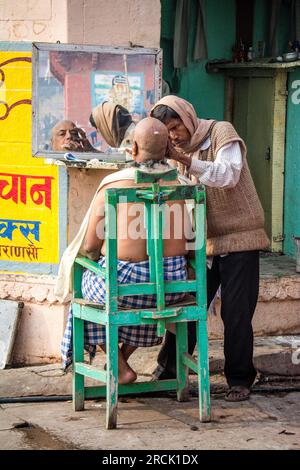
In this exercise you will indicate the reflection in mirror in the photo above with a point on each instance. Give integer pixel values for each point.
(88, 99)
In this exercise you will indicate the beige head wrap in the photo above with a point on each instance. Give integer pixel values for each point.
(103, 116)
(198, 128)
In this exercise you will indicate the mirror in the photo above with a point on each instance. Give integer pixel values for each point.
(69, 81)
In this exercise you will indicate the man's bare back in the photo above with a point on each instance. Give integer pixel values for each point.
(131, 229)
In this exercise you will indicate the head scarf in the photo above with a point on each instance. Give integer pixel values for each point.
(198, 128)
(112, 121)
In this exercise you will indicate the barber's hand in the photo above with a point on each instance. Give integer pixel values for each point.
(171, 152)
(72, 145)
(85, 144)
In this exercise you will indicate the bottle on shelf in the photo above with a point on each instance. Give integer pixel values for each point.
(250, 54)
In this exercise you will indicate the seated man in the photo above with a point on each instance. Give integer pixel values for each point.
(149, 148)
(66, 136)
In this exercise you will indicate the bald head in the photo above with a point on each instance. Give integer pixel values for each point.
(150, 140)
(62, 134)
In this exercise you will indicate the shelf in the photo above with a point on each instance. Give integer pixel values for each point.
(211, 66)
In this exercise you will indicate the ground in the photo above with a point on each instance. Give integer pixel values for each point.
(264, 422)
(269, 420)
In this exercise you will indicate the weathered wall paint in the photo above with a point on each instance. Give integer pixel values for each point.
(33, 20)
(291, 210)
(261, 26)
(205, 91)
(29, 189)
(292, 165)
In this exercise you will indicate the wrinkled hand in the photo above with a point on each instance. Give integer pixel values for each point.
(80, 144)
(86, 146)
(72, 145)
(171, 152)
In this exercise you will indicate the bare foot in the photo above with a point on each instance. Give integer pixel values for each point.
(126, 376)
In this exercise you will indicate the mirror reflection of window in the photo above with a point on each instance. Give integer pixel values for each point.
(72, 82)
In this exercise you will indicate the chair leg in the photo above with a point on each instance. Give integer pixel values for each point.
(78, 356)
(203, 372)
(112, 376)
(182, 372)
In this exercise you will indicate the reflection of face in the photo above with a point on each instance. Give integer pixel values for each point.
(63, 134)
(178, 133)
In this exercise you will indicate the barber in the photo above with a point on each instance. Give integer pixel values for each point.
(212, 153)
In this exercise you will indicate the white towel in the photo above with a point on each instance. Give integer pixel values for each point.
(63, 287)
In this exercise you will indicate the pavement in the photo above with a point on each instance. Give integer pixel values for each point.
(269, 420)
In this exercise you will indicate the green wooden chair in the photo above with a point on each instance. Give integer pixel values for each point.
(112, 317)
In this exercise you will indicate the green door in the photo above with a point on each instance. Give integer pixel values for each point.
(253, 120)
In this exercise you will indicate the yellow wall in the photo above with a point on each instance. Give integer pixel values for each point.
(32, 196)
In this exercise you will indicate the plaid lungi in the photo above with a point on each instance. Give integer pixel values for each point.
(93, 289)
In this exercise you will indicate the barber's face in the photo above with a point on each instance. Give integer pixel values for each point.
(63, 136)
(178, 133)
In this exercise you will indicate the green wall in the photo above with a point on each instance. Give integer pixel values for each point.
(292, 153)
(204, 91)
(292, 165)
(261, 28)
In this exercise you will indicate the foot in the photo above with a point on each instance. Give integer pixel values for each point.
(238, 393)
(126, 376)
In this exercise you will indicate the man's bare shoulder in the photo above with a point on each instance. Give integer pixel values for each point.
(130, 183)
(120, 184)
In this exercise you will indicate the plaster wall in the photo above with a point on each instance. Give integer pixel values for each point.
(278, 307)
(42, 320)
(82, 187)
(114, 22)
(33, 20)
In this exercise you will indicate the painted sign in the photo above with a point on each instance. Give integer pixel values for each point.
(29, 205)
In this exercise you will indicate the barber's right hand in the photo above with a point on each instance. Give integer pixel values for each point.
(171, 152)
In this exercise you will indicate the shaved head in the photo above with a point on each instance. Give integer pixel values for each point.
(150, 140)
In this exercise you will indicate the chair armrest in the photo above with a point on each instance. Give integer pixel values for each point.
(91, 265)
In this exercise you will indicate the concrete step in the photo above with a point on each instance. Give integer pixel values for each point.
(278, 307)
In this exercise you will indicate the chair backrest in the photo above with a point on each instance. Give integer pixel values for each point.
(154, 198)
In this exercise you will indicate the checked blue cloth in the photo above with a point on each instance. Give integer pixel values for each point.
(93, 289)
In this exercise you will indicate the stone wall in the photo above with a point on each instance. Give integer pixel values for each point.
(277, 311)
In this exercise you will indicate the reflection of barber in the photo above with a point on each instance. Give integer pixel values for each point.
(114, 124)
(66, 136)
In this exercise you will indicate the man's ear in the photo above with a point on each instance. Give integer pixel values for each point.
(134, 150)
